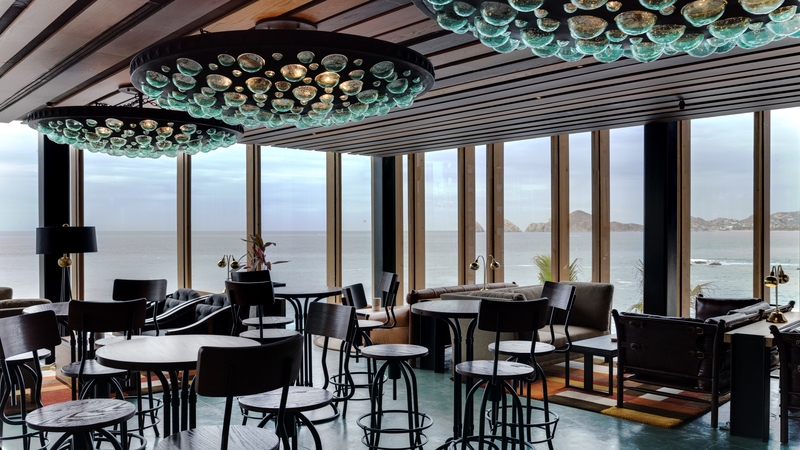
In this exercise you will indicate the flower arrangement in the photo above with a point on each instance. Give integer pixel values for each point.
(258, 257)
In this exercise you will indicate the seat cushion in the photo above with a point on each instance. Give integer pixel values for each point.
(92, 369)
(577, 333)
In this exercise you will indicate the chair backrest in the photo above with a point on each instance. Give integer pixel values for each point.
(231, 372)
(502, 316)
(250, 277)
(330, 320)
(388, 286)
(28, 333)
(151, 290)
(558, 295)
(354, 296)
(94, 317)
(225, 371)
(256, 293)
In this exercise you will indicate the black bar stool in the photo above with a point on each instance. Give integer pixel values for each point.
(395, 367)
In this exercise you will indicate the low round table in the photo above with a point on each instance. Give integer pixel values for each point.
(170, 354)
(450, 311)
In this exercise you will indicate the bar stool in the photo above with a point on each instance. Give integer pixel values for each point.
(395, 366)
(79, 420)
(515, 317)
(12, 380)
(242, 295)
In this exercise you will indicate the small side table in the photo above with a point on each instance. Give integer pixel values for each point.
(597, 346)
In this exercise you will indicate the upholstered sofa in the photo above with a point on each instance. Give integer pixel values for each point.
(688, 354)
(10, 306)
(591, 316)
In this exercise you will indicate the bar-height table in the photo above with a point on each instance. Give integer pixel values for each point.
(300, 297)
(449, 311)
(171, 354)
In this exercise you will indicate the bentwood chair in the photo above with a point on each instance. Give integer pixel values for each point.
(501, 316)
(243, 295)
(789, 349)
(77, 419)
(87, 318)
(323, 319)
(388, 286)
(243, 371)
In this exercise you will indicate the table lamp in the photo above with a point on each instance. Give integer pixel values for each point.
(776, 277)
(64, 240)
(494, 265)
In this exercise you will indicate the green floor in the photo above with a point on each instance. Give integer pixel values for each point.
(577, 429)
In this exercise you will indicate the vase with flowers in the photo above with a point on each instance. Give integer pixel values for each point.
(257, 257)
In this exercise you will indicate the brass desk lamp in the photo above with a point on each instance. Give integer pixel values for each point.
(776, 277)
(494, 265)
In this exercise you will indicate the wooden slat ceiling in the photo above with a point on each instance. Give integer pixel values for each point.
(77, 52)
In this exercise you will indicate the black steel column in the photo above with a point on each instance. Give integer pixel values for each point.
(661, 145)
(384, 214)
(54, 199)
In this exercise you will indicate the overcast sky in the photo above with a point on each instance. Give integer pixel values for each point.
(136, 194)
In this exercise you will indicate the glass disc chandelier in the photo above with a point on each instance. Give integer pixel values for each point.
(276, 77)
(612, 29)
(132, 132)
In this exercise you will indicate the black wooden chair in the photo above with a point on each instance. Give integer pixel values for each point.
(242, 371)
(788, 341)
(330, 321)
(388, 286)
(272, 315)
(77, 419)
(501, 316)
(243, 295)
(86, 319)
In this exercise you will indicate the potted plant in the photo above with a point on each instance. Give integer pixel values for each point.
(257, 258)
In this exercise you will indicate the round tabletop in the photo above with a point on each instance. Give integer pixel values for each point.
(307, 291)
(459, 309)
(164, 353)
(61, 309)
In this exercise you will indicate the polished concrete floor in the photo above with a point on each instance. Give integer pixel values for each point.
(577, 429)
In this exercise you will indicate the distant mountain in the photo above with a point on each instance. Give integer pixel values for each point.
(779, 221)
(507, 226)
(581, 221)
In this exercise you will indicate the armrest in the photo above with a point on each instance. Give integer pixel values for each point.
(176, 317)
(214, 323)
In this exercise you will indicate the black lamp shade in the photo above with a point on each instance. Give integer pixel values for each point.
(59, 240)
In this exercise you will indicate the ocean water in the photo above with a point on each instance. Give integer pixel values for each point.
(152, 255)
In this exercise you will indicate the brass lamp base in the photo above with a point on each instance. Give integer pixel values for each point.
(776, 317)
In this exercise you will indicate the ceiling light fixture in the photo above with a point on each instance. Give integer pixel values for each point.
(135, 132)
(612, 29)
(283, 72)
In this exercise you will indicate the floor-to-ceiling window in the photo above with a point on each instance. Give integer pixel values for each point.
(357, 221)
(480, 211)
(785, 200)
(722, 206)
(293, 214)
(219, 215)
(527, 206)
(626, 185)
(19, 263)
(132, 202)
(441, 218)
(580, 206)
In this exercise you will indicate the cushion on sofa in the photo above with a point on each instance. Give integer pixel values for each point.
(423, 294)
(502, 294)
(6, 293)
(706, 307)
(592, 308)
(756, 308)
(577, 333)
(459, 296)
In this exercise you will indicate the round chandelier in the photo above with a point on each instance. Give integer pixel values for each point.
(132, 132)
(274, 77)
(612, 29)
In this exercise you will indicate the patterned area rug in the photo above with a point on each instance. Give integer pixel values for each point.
(639, 407)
